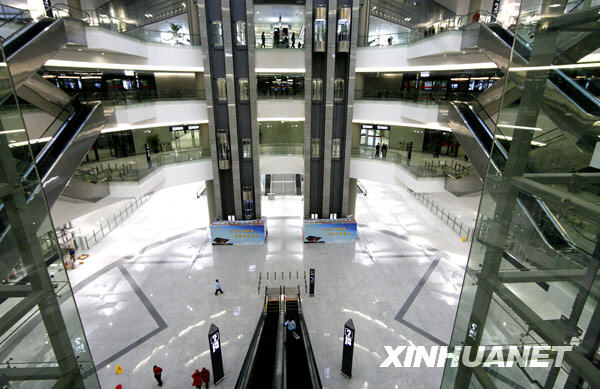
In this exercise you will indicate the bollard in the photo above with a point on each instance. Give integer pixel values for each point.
(348, 350)
(214, 343)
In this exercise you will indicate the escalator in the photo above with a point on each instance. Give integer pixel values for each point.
(301, 369)
(280, 358)
(76, 125)
(259, 366)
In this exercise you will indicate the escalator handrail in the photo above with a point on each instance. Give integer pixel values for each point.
(245, 372)
(578, 88)
(68, 8)
(310, 357)
(278, 369)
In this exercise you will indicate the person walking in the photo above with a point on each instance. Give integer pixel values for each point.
(383, 150)
(157, 374)
(197, 376)
(476, 17)
(205, 376)
(218, 288)
(377, 147)
(262, 40)
(293, 40)
(390, 40)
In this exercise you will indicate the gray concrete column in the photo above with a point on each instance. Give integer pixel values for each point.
(193, 22)
(363, 22)
(352, 197)
(75, 9)
(210, 200)
(474, 5)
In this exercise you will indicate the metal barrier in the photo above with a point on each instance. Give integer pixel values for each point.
(107, 225)
(465, 232)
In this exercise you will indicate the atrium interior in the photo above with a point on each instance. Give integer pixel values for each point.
(300, 193)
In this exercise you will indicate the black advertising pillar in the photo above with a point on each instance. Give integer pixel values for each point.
(348, 348)
(214, 342)
(311, 282)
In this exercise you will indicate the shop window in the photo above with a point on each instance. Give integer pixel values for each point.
(336, 149)
(217, 33)
(315, 147)
(338, 89)
(221, 89)
(243, 89)
(240, 33)
(246, 149)
(317, 89)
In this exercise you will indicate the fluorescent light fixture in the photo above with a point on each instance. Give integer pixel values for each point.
(554, 67)
(121, 66)
(460, 79)
(48, 76)
(298, 119)
(12, 131)
(33, 141)
(430, 126)
(125, 127)
(480, 78)
(427, 68)
(91, 77)
(520, 127)
(69, 77)
(533, 142)
(280, 70)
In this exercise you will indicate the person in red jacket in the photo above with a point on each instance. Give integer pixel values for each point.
(197, 376)
(205, 376)
(157, 374)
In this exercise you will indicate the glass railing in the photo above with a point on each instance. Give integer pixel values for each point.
(130, 28)
(137, 167)
(421, 165)
(282, 149)
(412, 95)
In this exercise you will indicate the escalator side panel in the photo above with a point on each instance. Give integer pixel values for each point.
(56, 178)
(39, 49)
(479, 35)
(477, 153)
(46, 96)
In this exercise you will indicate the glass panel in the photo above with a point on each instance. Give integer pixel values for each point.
(246, 149)
(320, 29)
(317, 89)
(217, 33)
(532, 274)
(221, 89)
(338, 90)
(223, 149)
(243, 89)
(343, 30)
(240, 33)
(315, 145)
(336, 149)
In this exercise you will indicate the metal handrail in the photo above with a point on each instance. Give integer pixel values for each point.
(244, 376)
(310, 356)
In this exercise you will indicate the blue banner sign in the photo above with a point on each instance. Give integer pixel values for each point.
(329, 230)
(228, 233)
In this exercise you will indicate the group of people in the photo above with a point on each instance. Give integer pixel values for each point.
(292, 40)
(381, 148)
(199, 377)
(429, 31)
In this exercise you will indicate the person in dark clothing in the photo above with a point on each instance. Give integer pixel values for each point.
(262, 40)
(383, 150)
(377, 147)
(476, 17)
(157, 374)
(197, 376)
(390, 40)
(205, 374)
(293, 40)
(218, 288)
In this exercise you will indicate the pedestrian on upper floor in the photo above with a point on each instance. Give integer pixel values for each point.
(262, 40)
(476, 17)
(377, 147)
(390, 40)
(197, 376)
(205, 373)
(293, 40)
(383, 150)
(157, 374)
(218, 288)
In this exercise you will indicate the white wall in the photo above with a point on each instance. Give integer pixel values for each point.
(160, 112)
(280, 109)
(281, 164)
(402, 113)
(276, 59)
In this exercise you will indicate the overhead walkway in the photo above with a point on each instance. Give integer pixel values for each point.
(277, 357)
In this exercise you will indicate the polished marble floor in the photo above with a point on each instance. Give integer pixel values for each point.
(146, 293)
